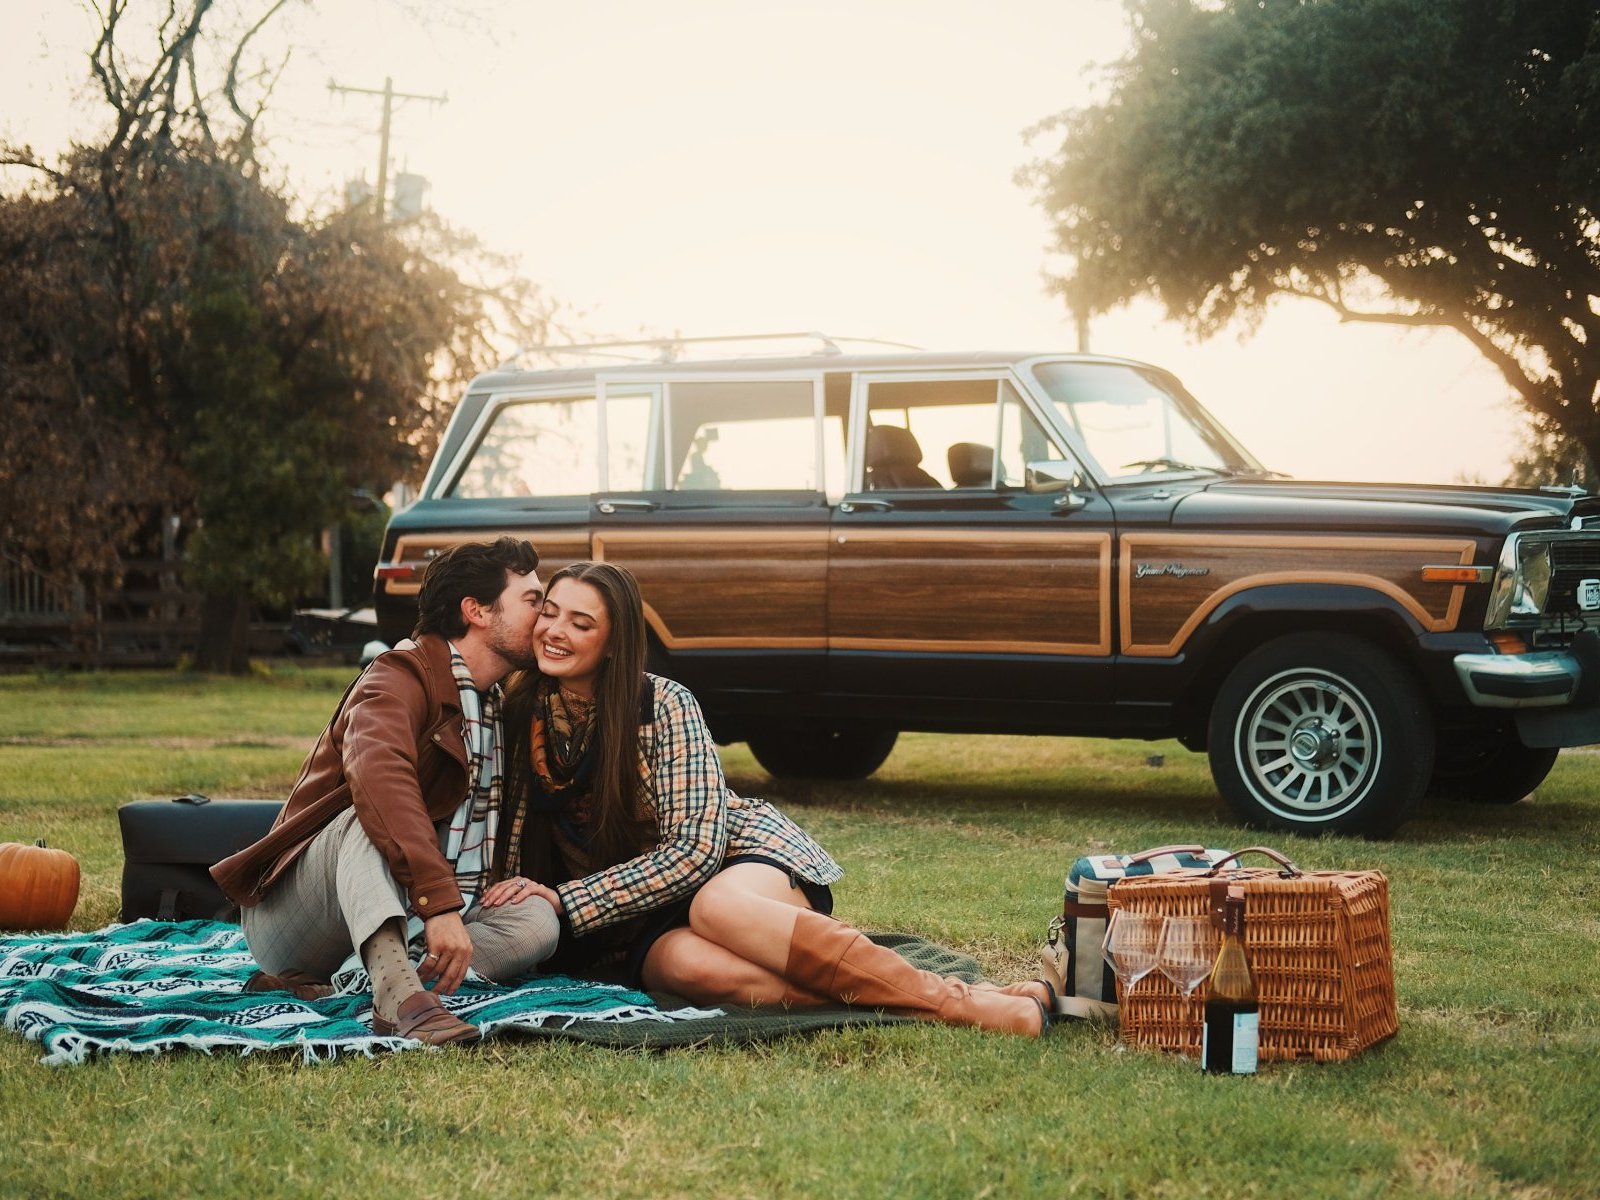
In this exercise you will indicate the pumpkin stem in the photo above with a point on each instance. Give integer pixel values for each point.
(39, 842)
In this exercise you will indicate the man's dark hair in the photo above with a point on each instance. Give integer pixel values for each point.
(476, 569)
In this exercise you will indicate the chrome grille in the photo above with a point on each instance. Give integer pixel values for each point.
(1572, 560)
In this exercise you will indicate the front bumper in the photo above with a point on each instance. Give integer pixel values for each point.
(1555, 693)
(1544, 679)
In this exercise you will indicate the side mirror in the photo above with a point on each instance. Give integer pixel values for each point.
(1059, 477)
(1051, 475)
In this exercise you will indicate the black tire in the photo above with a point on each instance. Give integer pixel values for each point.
(823, 753)
(1492, 767)
(1321, 733)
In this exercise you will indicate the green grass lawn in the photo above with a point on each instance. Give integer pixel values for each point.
(1491, 1088)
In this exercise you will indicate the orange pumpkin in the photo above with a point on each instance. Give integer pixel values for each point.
(38, 886)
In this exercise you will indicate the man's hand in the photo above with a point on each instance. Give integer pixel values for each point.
(449, 952)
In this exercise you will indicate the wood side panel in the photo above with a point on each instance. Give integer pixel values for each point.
(1160, 610)
(557, 548)
(990, 592)
(744, 588)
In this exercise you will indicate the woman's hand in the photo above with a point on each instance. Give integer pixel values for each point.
(517, 889)
(449, 952)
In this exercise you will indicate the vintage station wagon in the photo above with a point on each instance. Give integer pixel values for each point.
(835, 547)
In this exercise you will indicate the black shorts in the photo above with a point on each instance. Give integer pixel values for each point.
(676, 914)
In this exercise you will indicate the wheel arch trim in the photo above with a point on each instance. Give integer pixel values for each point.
(1269, 591)
(1395, 595)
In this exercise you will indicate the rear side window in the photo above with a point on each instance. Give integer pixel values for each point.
(746, 435)
(535, 448)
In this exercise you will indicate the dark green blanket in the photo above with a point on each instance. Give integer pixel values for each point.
(735, 1024)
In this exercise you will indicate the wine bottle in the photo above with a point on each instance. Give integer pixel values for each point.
(1231, 1040)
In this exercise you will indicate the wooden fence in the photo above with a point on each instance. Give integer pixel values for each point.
(149, 620)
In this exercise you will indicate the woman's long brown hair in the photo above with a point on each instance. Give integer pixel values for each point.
(616, 694)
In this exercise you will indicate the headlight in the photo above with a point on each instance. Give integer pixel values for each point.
(1521, 582)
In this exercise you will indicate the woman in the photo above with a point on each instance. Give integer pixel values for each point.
(619, 813)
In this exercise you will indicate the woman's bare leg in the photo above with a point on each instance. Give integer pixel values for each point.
(685, 964)
(749, 909)
(751, 905)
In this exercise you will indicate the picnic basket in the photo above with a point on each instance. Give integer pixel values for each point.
(1319, 948)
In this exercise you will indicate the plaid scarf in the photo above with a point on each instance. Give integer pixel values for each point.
(469, 840)
(563, 751)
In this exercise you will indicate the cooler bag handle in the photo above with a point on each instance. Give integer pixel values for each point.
(1144, 855)
(1289, 871)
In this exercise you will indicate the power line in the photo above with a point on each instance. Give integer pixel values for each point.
(389, 97)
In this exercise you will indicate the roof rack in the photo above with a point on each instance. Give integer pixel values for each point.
(676, 349)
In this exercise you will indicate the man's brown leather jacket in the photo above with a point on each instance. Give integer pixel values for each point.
(394, 751)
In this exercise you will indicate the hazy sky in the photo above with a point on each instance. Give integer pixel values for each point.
(730, 166)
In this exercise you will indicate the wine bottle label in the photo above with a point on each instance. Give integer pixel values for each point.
(1246, 1042)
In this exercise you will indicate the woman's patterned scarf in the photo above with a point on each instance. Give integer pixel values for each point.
(564, 750)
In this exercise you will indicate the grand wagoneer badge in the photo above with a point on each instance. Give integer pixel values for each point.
(1177, 570)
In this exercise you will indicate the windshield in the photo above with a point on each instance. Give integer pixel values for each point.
(1132, 425)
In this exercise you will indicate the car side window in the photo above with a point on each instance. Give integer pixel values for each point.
(745, 435)
(632, 440)
(535, 447)
(950, 434)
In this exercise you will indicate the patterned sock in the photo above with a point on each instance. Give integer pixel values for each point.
(394, 979)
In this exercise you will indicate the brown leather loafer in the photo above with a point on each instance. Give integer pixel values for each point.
(424, 1019)
(302, 987)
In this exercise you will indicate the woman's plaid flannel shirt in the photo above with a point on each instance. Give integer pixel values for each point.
(702, 822)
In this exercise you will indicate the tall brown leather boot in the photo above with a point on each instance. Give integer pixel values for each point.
(831, 958)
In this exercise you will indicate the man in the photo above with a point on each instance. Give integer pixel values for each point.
(397, 808)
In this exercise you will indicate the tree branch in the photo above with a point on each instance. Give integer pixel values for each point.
(1535, 393)
(24, 158)
(200, 118)
(230, 87)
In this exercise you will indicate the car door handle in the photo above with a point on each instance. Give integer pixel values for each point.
(850, 506)
(1068, 502)
(615, 506)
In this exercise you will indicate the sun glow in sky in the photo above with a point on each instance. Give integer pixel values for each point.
(731, 166)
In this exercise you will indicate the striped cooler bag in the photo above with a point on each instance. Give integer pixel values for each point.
(1072, 959)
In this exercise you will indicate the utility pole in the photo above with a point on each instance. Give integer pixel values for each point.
(389, 97)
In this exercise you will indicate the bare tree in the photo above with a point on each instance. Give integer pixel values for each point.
(177, 334)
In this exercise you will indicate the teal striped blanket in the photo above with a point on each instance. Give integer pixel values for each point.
(153, 986)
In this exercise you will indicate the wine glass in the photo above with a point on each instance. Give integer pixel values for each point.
(1130, 945)
(1187, 950)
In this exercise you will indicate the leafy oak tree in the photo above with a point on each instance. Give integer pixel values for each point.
(1402, 161)
(176, 339)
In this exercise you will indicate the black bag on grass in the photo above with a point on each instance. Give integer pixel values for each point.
(169, 846)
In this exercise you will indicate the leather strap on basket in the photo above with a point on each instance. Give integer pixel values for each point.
(1145, 855)
(1290, 871)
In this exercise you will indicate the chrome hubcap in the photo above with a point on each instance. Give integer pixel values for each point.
(1308, 745)
(1314, 746)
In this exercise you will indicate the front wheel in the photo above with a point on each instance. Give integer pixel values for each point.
(1489, 767)
(1321, 733)
(823, 753)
